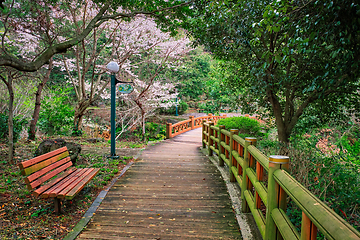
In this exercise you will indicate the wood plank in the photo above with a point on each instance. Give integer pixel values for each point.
(74, 183)
(76, 189)
(172, 193)
(37, 159)
(51, 174)
(66, 182)
(51, 183)
(46, 194)
(45, 170)
(43, 164)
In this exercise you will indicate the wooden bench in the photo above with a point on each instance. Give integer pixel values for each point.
(52, 175)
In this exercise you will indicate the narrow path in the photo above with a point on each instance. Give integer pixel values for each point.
(174, 192)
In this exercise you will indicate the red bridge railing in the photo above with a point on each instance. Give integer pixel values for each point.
(192, 123)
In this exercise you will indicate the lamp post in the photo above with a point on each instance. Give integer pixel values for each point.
(113, 67)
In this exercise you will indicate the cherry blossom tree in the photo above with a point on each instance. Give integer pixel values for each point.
(119, 39)
(152, 91)
(124, 41)
(14, 14)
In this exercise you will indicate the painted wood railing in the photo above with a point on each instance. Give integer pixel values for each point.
(192, 123)
(266, 197)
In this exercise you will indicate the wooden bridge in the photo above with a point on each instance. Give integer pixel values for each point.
(175, 192)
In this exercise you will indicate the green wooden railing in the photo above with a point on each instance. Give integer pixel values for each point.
(266, 197)
(187, 125)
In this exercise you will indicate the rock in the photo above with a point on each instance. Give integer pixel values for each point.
(94, 140)
(49, 145)
(173, 121)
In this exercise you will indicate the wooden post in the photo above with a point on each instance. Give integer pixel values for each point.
(168, 130)
(308, 228)
(57, 205)
(192, 123)
(245, 180)
(210, 117)
(231, 160)
(221, 148)
(203, 133)
(276, 195)
(210, 141)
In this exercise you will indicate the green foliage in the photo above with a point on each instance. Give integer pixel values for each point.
(182, 107)
(4, 130)
(285, 59)
(247, 127)
(56, 115)
(153, 132)
(351, 142)
(332, 176)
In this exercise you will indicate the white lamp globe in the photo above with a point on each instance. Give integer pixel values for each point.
(113, 67)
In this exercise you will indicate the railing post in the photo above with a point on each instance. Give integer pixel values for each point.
(203, 133)
(221, 148)
(168, 130)
(308, 228)
(232, 132)
(192, 122)
(210, 141)
(210, 116)
(276, 195)
(245, 185)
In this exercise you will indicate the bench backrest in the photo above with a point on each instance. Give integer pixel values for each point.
(42, 168)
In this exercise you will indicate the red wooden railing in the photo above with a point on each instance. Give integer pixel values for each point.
(192, 123)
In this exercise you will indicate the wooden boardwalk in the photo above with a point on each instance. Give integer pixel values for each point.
(174, 192)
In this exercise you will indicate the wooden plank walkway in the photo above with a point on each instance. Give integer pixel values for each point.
(174, 192)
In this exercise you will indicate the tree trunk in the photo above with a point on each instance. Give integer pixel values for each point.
(284, 140)
(35, 118)
(11, 119)
(143, 124)
(80, 111)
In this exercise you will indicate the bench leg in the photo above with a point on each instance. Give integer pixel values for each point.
(57, 204)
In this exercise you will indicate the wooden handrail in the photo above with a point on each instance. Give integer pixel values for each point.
(247, 166)
(186, 125)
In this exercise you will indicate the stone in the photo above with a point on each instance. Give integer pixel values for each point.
(49, 145)
(94, 140)
(172, 121)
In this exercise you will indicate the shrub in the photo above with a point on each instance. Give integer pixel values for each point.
(334, 178)
(153, 132)
(4, 130)
(247, 127)
(56, 115)
(182, 107)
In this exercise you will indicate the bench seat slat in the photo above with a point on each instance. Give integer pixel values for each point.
(43, 188)
(62, 193)
(68, 182)
(51, 174)
(43, 171)
(37, 167)
(35, 160)
(70, 195)
(52, 192)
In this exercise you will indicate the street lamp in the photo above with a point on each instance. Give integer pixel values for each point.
(113, 67)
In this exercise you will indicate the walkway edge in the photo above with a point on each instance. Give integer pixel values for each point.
(247, 232)
(94, 206)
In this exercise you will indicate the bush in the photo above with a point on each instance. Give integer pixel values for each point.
(334, 178)
(247, 127)
(182, 107)
(4, 129)
(56, 115)
(153, 132)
